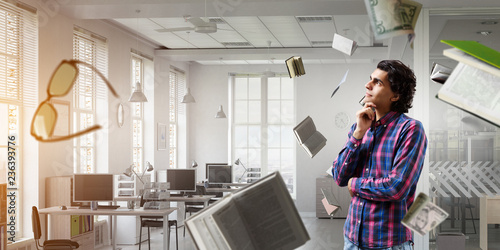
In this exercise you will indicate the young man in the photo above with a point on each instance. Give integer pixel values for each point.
(381, 161)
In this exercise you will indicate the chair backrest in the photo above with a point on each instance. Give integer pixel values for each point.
(35, 220)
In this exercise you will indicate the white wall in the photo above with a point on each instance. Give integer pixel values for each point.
(209, 136)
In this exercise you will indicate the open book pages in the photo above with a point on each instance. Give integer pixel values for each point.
(423, 215)
(308, 137)
(343, 44)
(295, 66)
(440, 73)
(392, 18)
(259, 216)
(475, 91)
(330, 202)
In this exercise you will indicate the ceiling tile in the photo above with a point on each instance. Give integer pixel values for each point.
(287, 30)
(355, 27)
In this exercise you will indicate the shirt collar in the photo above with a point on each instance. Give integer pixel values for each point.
(387, 118)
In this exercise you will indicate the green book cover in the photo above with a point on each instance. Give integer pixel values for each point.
(477, 50)
(75, 225)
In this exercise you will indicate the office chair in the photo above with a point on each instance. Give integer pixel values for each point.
(155, 221)
(193, 207)
(48, 244)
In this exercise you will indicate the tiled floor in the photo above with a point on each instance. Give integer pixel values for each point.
(325, 234)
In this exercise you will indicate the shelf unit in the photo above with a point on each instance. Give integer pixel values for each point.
(340, 193)
(125, 186)
(79, 228)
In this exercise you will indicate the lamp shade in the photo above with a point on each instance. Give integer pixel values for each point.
(220, 113)
(194, 164)
(188, 98)
(138, 95)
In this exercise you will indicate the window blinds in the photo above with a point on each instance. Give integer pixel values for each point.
(90, 48)
(18, 54)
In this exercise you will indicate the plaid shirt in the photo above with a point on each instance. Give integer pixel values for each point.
(384, 182)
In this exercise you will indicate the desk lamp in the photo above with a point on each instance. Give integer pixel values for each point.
(238, 162)
(128, 172)
(194, 164)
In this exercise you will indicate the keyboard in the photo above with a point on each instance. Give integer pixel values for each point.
(101, 207)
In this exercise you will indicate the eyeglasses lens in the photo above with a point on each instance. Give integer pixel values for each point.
(62, 79)
(45, 120)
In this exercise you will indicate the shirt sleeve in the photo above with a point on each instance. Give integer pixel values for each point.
(345, 166)
(408, 161)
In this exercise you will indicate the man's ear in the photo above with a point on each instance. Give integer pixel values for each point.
(395, 98)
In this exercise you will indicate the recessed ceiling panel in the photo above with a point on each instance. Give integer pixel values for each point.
(253, 30)
(287, 30)
(319, 32)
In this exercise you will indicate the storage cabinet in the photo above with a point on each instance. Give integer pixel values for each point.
(340, 193)
(79, 228)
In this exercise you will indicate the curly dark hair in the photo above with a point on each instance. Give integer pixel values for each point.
(403, 83)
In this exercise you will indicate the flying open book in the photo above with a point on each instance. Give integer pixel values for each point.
(343, 44)
(474, 84)
(261, 215)
(308, 137)
(423, 215)
(329, 202)
(295, 66)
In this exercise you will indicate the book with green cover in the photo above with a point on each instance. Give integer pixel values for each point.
(477, 50)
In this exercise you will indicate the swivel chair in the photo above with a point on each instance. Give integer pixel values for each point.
(48, 244)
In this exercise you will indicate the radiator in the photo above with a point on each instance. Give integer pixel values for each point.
(22, 244)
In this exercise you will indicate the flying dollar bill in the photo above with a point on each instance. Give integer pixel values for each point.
(423, 215)
(390, 18)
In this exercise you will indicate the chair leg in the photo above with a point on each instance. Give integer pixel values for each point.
(176, 237)
(149, 240)
(140, 237)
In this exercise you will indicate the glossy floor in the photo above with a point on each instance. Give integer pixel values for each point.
(325, 234)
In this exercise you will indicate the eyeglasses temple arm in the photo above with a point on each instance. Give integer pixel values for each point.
(102, 77)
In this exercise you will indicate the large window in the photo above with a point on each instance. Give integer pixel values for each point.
(89, 87)
(177, 82)
(137, 114)
(18, 91)
(263, 117)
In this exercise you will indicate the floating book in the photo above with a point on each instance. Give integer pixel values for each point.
(261, 215)
(423, 215)
(474, 84)
(308, 137)
(329, 202)
(343, 44)
(295, 66)
(440, 73)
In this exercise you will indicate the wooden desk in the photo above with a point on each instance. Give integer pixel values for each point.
(488, 214)
(115, 212)
(224, 190)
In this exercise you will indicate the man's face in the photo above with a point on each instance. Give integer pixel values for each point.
(378, 90)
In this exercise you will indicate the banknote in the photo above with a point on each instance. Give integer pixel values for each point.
(390, 18)
(423, 215)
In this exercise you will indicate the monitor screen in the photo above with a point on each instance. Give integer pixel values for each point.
(220, 174)
(208, 164)
(182, 179)
(92, 187)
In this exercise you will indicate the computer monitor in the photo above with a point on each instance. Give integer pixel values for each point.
(220, 174)
(208, 164)
(92, 187)
(182, 180)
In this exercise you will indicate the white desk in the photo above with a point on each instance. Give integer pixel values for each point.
(116, 212)
(181, 199)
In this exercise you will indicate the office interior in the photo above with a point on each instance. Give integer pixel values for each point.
(454, 136)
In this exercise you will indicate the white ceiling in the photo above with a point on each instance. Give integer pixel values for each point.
(293, 27)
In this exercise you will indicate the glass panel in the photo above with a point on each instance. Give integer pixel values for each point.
(172, 135)
(4, 125)
(173, 157)
(240, 88)
(287, 88)
(254, 136)
(240, 112)
(240, 136)
(273, 159)
(273, 136)
(287, 136)
(254, 115)
(273, 112)
(254, 92)
(287, 112)
(273, 88)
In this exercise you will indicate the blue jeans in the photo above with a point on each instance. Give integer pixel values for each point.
(348, 245)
